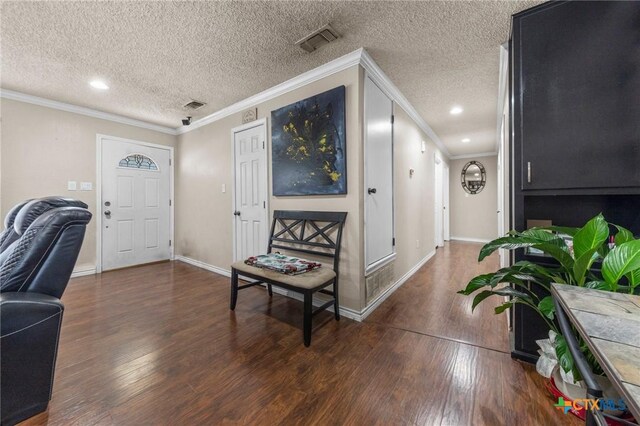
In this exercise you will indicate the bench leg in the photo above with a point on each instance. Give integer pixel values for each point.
(308, 313)
(336, 304)
(270, 289)
(234, 289)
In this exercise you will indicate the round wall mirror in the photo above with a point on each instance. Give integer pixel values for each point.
(473, 177)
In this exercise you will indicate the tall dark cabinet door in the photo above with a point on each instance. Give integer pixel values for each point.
(576, 88)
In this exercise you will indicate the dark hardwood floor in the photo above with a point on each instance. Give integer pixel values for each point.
(157, 344)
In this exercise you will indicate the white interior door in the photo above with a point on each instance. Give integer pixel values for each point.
(378, 176)
(135, 204)
(445, 202)
(250, 192)
(439, 239)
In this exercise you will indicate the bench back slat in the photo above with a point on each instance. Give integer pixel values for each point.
(288, 233)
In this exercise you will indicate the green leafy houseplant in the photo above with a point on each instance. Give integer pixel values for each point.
(575, 250)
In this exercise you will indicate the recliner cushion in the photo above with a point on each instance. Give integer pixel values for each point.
(9, 235)
(35, 208)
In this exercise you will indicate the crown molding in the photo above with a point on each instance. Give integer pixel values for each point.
(332, 67)
(357, 57)
(481, 154)
(385, 83)
(35, 100)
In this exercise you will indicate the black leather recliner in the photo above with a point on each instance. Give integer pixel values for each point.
(34, 272)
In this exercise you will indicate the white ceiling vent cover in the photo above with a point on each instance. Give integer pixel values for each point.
(318, 38)
(194, 105)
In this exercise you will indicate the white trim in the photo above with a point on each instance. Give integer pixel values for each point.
(370, 268)
(82, 272)
(357, 57)
(481, 154)
(203, 265)
(257, 123)
(346, 312)
(380, 263)
(62, 106)
(387, 86)
(503, 73)
(470, 240)
(98, 215)
(385, 294)
(332, 67)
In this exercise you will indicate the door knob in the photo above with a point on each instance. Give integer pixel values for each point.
(371, 191)
(107, 213)
(236, 213)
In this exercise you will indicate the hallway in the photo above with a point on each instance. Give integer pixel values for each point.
(157, 344)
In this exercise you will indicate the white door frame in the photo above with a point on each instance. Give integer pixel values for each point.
(438, 190)
(446, 185)
(98, 213)
(369, 269)
(260, 122)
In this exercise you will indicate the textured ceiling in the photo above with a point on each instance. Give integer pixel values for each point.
(157, 56)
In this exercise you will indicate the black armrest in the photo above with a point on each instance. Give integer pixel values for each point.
(30, 328)
(21, 310)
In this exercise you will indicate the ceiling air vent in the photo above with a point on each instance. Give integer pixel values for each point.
(194, 105)
(318, 38)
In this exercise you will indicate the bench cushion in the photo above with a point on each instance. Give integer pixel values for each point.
(308, 280)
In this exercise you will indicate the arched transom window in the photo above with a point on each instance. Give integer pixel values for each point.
(138, 161)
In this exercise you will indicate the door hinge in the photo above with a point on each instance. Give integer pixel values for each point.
(393, 241)
(169, 161)
(169, 243)
(262, 144)
(264, 204)
(392, 118)
(169, 202)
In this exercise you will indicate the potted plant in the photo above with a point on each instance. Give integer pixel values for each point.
(575, 251)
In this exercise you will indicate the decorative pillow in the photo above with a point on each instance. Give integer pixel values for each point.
(283, 264)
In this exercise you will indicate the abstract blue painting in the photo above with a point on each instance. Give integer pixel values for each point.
(309, 146)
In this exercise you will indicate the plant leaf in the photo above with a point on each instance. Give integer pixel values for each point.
(562, 230)
(620, 261)
(598, 285)
(623, 235)
(547, 307)
(583, 264)
(480, 297)
(563, 354)
(590, 236)
(508, 243)
(500, 309)
(477, 283)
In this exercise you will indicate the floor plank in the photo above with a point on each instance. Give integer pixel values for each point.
(157, 344)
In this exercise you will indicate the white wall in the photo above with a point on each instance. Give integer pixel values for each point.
(474, 217)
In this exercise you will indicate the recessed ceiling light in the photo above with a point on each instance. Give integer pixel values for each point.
(456, 110)
(99, 84)
(466, 140)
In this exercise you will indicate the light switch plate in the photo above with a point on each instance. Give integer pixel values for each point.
(72, 185)
(224, 188)
(86, 186)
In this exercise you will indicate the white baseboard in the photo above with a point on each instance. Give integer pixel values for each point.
(203, 265)
(389, 291)
(346, 312)
(82, 271)
(470, 240)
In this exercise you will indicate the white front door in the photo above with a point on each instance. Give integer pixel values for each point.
(135, 204)
(378, 175)
(250, 210)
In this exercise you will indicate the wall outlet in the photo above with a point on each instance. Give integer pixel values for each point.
(86, 186)
(72, 185)
(417, 243)
(224, 188)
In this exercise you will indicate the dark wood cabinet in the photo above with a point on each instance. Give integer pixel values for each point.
(576, 87)
(575, 124)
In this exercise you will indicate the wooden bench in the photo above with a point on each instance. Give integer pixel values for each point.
(314, 233)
